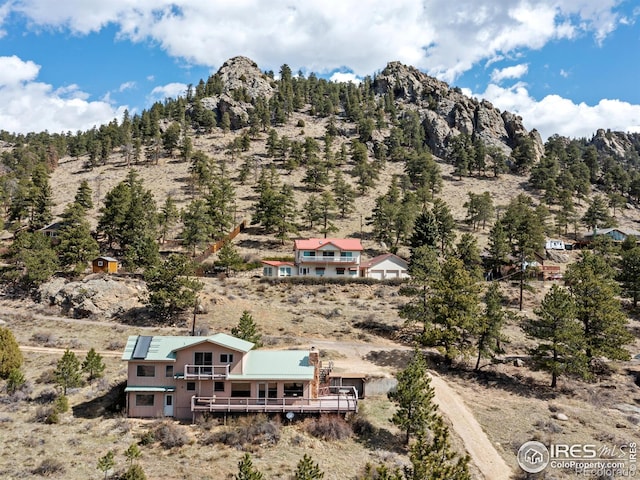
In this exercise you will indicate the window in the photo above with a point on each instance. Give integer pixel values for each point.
(240, 390)
(328, 254)
(320, 271)
(293, 390)
(308, 254)
(346, 254)
(285, 271)
(144, 399)
(203, 358)
(100, 263)
(146, 370)
(218, 386)
(353, 271)
(267, 271)
(168, 371)
(191, 386)
(226, 358)
(339, 271)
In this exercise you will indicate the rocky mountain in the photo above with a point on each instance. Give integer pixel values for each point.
(446, 112)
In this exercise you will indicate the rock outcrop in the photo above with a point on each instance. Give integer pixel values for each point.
(446, 112)
(95, 295)
(242, 81)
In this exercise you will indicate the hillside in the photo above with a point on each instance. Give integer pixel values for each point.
(398, 129)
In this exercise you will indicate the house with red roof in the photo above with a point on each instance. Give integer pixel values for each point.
(322, 257)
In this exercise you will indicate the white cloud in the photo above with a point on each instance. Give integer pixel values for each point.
(30, 106)
(170, 90)
(442, 37)
(345, 77)
(554, 114)
(126, 86)
(516, 71)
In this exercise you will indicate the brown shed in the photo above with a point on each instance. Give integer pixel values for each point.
(104, 265)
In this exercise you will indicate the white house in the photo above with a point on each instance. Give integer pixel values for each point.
(554, 244)
(272, 268)
(384, 267)
(328, 257)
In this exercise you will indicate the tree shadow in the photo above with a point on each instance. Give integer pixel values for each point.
(375, 438)
(110, 403)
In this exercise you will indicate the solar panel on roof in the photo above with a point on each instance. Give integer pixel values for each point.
(142, 347)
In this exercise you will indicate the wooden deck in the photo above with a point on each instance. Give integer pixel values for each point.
(342, 402)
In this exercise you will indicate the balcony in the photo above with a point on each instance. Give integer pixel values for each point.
(344, 260)
(331, 400)
(206, 372)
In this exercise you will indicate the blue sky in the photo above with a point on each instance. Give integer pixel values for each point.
(565, 66)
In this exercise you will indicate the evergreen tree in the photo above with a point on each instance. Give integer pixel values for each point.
(34, 259)
(468, 251)
(413, 397)
(452, 310)
(425, 231)
(171, 291)
(77, 246)
(344, 194)
(327, 207)
(604, 324)
(106, 463)
(285, 213)
(247, 330)
(41, 198)
(629, 275)
(169, 214)
(229, 258)
(435, 458)
(93, 364)
(307, 470)
(196, 229)
(498, 247)
(67, 372)
(489, 328)
(83, 195)
(132, 453)
(561, 349)
(423, 269)
(10, 354)
(479, 209)
(311, 210)
(597, 215)
(246, 470)
(444, 222)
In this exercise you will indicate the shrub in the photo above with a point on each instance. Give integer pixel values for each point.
(328, 427)
(134, 472)
(249, 430)
(147, 438)
(10, 354)
(171, 435)
(49, 466)
(15, 381)
(62, 404)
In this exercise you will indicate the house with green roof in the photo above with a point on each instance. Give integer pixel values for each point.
(176, 376)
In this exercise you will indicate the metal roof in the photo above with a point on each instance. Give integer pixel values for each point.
(317, 243)
(276, 365)
(150, 389)
(163, 348)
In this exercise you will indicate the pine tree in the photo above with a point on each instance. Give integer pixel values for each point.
(247, 330)
(196, 229)
(498, 247)
(425, 231)
(93, 364)
(41, 198)
(561, 349)
(229, 258)
(445, 223)
(307, 470)
(604, 324)
(246, 470)
(34, 258)
(311, 210)
(413, 396)
(344, 194)
(452, 310)
(423, 269)
(10, 354)
(83, 195)
(629, 275)
(171, 290)
(435, 459)
(489, 328)
(468, 251)
(76, 245)
(169, 214)
(327, 207)
(132, 453)
(106, 463)
(67, 372)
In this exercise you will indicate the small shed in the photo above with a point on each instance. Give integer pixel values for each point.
(555, 244)
(104, 265)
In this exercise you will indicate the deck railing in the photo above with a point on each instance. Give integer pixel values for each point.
(331, 400)
(205, 372)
